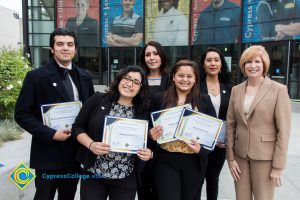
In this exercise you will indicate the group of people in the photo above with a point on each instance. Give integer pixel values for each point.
(257, 112)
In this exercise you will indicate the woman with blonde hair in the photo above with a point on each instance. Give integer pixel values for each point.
(258, 128)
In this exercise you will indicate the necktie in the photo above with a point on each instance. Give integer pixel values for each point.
(68, 85)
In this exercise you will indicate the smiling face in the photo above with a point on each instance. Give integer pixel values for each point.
(212, 63)
(81, 7)
(64, 49)
(254, 67)
(184, 79)
(152, 58)
(167, 4)
(128, 86)
(127, 5)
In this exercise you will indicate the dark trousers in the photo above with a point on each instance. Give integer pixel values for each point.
(46, 188)
(177, 176)
(115, 189)
(216, 161)
(147, 191)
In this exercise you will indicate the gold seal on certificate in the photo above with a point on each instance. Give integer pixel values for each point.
(125, 135)
(201, 127)
(168, 119)
(60, 115)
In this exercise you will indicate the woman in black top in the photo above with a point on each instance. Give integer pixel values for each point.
(179, 165)
(214, 81)
(127, 97)
(153, 60)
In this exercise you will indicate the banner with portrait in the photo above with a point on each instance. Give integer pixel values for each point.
(215, 22)
(270, 20)
(167, 22)
(122, 23)
(82, 17)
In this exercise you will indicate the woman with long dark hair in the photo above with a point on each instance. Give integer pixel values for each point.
(127, 97)
(178, 164)
(154, 61)
(214, 81)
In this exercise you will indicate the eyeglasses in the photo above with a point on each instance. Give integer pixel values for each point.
(135, 83)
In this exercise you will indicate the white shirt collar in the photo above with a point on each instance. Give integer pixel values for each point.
(69, 67)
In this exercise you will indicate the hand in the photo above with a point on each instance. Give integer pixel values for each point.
(156, 132)
(194, 146)
(99, 148)
(234, 169)
(275, 176)
(62, 135)
(144, 154)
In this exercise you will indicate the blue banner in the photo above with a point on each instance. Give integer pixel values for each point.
(121, 23)
(269, 20)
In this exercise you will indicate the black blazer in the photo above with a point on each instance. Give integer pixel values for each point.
(164, 84)
(44, 86)
(225, 91)
(204, 105)
(90, 120)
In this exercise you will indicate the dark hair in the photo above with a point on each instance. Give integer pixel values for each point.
(171, 96)
(160, 50)
(175, 4)
(223, 75)
(63, 32)
(142, 98)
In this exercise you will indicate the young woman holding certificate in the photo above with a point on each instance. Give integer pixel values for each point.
(117, 172)
(214, 81)
(180, 167)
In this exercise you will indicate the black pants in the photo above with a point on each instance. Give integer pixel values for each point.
(115, 189)
(177, 176)
(147, 190)
(216, 161)
(46, 188)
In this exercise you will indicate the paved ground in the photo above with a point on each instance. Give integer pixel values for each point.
(11, 153)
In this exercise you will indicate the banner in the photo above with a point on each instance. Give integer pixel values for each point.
(82, 17)
(267, 20)
(122, 23)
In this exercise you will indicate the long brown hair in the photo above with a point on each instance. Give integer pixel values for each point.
(171, 95)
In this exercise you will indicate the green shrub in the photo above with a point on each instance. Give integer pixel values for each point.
(13, 68)
(9, 130)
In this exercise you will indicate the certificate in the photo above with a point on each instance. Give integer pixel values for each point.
(201, 127)
(125, 135)
(168, 119)
(222, 135)
(60, 115)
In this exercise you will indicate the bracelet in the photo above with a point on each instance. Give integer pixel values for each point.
(151, 155)
(90, 145)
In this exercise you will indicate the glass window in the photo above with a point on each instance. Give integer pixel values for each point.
(39, 39)
(294, 72)
(41, 27)
(40, 55)
(88, 59)
(175, 54)
(40, 13)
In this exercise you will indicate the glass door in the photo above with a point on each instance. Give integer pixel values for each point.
(279, 61)
(120, 58)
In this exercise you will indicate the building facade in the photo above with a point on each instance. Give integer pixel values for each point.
(112, 32)
(11, 34)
